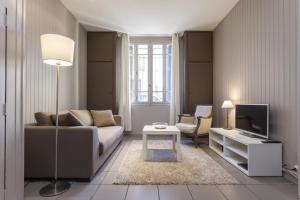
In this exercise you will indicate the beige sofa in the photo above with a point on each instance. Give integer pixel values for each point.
(82, 150)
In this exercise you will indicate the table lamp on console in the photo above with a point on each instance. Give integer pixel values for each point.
(227, 104)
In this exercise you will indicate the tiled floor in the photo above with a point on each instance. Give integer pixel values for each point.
(101, 188)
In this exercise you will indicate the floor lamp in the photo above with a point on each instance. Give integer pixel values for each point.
(58, 51)
(227, 104)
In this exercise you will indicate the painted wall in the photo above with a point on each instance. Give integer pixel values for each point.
(255, 61)
(44, 16)
(148, 114)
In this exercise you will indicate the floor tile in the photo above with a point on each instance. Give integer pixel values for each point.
(107, 165)
(80, 191)
(145, 192)
(31, 191)
(174, 192)
(111, 192)
(247, 180)
(98, 179)
(275, 192)
(101, 187)
(109, 178)
(26, 183)
(116, 165)
(237, 192)
(203, 192)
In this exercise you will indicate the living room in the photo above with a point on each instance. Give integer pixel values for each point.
(131, 100)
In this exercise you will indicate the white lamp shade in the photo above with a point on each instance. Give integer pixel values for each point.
(57, 50)
(227, 104)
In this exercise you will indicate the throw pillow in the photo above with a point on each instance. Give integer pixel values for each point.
(66, 119)
(83, 116)
(103, 118)
(43, 118)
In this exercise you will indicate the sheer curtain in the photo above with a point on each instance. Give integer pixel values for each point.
(175, 96)
(124, 102)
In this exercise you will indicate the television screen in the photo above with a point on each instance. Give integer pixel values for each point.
(253, 119)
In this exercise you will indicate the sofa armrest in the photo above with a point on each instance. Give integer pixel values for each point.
(118, 120)
(77, 148)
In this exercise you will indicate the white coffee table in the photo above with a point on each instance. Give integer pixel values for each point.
(172, 131)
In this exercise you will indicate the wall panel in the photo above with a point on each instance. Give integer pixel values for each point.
(44, 16)
(255, 62)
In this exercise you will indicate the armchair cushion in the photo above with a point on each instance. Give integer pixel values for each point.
(205, 125)
(203, 111)
(186, 128)
(187, 119)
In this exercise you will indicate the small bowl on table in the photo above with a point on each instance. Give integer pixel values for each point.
(160, 125)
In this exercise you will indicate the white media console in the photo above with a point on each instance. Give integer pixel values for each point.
(248, 154)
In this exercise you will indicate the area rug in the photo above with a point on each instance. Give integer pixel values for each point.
(196, 166)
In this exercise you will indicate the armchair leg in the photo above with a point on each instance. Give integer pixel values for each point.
(195, 142)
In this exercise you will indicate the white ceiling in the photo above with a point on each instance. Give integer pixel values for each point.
(150, 17)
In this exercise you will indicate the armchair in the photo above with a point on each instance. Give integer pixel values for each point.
(197, 125)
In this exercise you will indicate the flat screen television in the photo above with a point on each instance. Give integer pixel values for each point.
(253, 119)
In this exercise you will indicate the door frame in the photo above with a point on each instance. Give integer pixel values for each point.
(3, 99)
(298, 92)
(14, 100)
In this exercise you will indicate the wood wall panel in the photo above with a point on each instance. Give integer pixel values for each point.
(200, 84)
(101, 46)
(101, 71)
(255, 62)
(198, 70)
(100, 88)
(44, 16)
(199, 46)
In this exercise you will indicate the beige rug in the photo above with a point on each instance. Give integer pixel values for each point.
(195, 168)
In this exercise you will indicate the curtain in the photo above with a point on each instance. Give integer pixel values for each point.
(124, 102)
(175, 91)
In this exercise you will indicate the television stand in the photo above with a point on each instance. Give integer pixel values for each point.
(249, 155)
(248, 135)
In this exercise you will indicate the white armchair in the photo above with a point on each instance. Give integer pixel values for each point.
(196, 125)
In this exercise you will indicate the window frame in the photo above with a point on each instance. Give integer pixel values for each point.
(150, 41)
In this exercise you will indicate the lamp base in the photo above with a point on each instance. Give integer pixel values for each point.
(55, 188)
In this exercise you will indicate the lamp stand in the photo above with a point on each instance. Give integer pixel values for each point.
(55, 187)
(227, 119)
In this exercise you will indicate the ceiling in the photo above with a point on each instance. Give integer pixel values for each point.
(150, 17)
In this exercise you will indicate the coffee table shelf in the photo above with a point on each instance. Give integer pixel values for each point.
(168, 131)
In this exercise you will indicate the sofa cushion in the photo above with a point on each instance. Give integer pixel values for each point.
(103, 118)
(66, 119)
(83, 116)
(43, 118)
(107, 136)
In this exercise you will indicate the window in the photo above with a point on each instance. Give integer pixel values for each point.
(150, 64)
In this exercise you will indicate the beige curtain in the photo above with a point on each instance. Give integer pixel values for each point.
(175, 88)
(124, 102)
